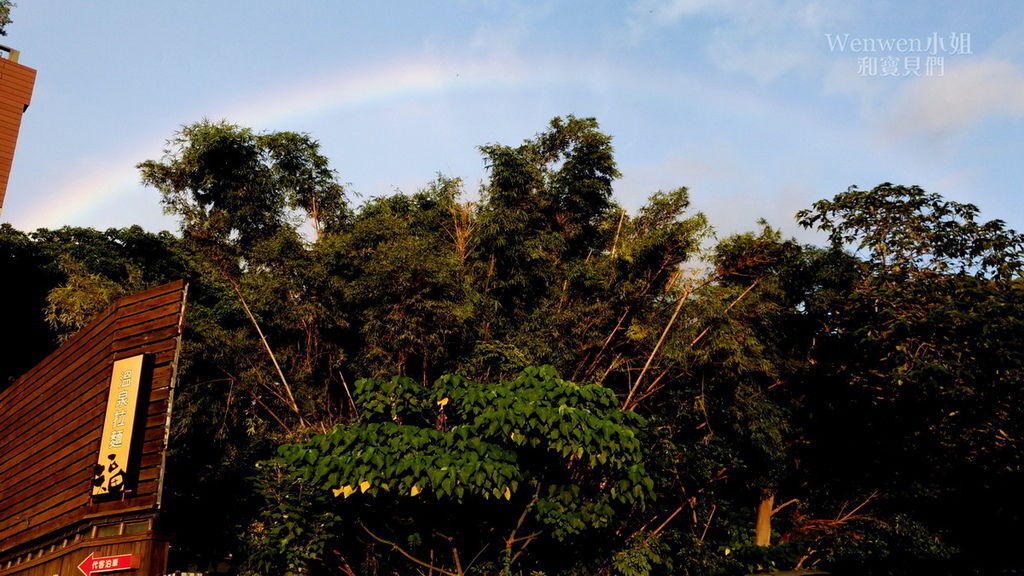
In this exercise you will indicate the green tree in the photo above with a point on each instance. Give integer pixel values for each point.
(262, 359)
(31, 274)
(918, 377)
(234, 189)
(241, 197)
(100, 267)
(827, 380)
(68, 275)
(543, 205)
(726, 400)
(905, 230)
(473, 476)
(407, 283)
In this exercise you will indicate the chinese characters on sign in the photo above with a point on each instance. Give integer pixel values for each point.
(122, 400)
(92, 565)
(902, 57)
(106, 563)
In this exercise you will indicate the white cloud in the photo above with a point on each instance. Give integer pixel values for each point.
(762, 60)
(966, 95)
(724, 185)
(763, 39)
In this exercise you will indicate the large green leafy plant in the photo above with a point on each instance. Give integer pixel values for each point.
(471, 475)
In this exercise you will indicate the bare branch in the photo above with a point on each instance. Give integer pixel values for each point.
(284, 381)
(618, 229)
(626, 405)
(783, 505)
(667, 520)
(707, 526)
(412, 558)
(348, 394)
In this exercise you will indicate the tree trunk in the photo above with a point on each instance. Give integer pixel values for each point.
(763, 534)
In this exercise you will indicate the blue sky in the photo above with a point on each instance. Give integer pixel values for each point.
(753, 105)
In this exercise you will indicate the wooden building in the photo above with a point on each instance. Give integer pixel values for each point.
(16, 82)
(82, 442)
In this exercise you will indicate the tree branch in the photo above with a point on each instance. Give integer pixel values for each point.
(284, 381)
(667, 520)
(510, 558)
(412, 558)
(664, 334)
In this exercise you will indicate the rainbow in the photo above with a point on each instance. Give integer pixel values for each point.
(115, 176)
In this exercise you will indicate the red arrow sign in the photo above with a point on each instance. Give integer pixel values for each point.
(91, 565)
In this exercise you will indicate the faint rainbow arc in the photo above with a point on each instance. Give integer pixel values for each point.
(81, 190)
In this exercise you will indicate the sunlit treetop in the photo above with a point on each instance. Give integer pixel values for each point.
(5, 15)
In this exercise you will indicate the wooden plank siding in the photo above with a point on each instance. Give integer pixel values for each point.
(16, 82)
(64, 558)
(51, 422)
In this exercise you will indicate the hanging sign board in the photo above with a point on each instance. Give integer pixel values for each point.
(115, 445)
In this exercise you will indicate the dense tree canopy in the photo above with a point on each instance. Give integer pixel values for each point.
(481, 472)
(541, 382)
